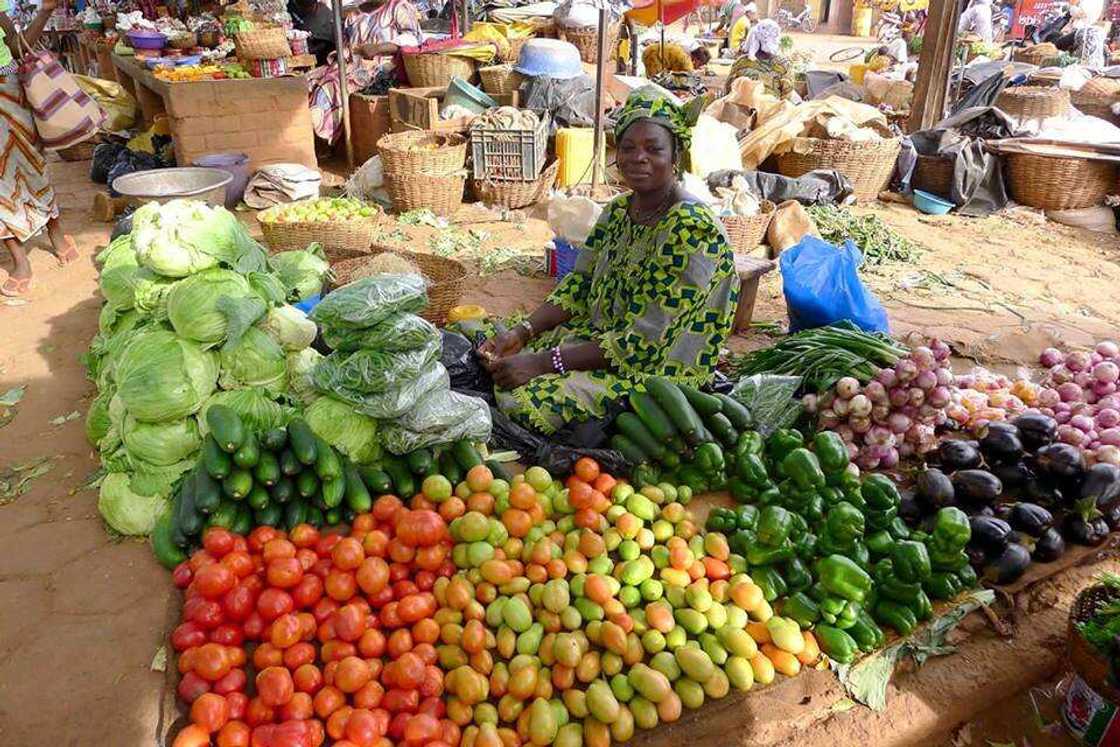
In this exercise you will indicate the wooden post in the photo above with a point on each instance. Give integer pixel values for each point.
(343, 87)
(935, 64)
(600, 84)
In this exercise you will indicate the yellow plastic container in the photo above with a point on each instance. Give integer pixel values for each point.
(856, 71)
(574, 146)
(861, 21)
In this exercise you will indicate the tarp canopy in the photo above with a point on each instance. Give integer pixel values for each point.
(649, 12)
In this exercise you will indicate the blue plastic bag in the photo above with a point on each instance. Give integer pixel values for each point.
(822, 286)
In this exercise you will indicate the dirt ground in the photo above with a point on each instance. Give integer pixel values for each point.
(83, 615)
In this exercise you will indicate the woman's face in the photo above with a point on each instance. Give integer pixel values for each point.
(646, 157)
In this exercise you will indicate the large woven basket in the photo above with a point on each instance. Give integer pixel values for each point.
(498, 80)
(746, 232)
(515, 194)
(868, 165)
(1034, 102)
(1087, 662)
(1038, 54)
(1058, 183)
(81, 152)
(405, 153)
(183, 40)
(340, 239)
(446, 278)
(1097, 97)
(586, 40)
(262, 44)
(435, 70)
(439, 191)
(933, 174)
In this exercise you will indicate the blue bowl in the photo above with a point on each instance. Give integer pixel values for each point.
(931, 204)
(551, 58)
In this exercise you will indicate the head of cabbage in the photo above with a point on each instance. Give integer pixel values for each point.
(183, 237)
(256, 361)
(125, 511)
(213, 305)
(97, 419)
(300, 366)
(301, 272)
(290, 327)
(161, 377)
(118, 267)
(352, 433)
(161, 444)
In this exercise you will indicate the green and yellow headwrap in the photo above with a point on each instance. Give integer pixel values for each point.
(658, 109)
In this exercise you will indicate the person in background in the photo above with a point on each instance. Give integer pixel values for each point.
(27, 199)
(653, 292)
(978, 20)
(675, 58)
(382, 27)
(762, 60)
(741, 26)
(316, 19)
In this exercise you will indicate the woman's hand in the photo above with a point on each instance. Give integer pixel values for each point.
(500, 346)
(513, 371)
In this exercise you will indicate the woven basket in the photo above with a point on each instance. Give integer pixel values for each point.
(515, 46)
(498, 80)
(405, 153)
(342, 239)
(439, 191)
(1038, 54)
(262, 44)
(183, 40)
(586, 40)
(1087, 662)
(1056, 183)
(81, 152)
(515, 194)
(435, 70)
(210, 38)
(748, 231)
(446, 277)
(867, 165)
(1097, 97)
(933, 174)
(1034, 102)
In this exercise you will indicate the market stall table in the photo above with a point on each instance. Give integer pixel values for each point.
(268, 119)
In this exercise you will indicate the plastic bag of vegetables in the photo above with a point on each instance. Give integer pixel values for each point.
(255, 361)
(396, 333)
(352, 433)
(372, 371)
(301, 272)
(160, 376)
(182, 237)
(399, 439)
(125, 511)
(400, 398)
(300, 366)
(368, 301)
(447, 410)
(214, 306)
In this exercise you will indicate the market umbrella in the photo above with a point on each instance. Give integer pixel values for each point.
(649, 12)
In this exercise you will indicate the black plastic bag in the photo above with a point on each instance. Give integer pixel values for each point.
(558, 458)
(104, 158)
(123, 224)
(463, 366)
(129, 162)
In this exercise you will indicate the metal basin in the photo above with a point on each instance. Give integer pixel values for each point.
(161, 185)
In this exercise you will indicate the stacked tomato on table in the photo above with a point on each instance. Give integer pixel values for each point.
(290, 638)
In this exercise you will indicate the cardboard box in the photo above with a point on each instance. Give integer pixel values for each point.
(418, 109)
(369, 120)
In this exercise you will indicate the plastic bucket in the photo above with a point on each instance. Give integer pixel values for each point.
(856, 71)
(234, 164)
(462, 93)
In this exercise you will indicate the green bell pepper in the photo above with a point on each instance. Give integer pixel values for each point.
(832, 605)
(843, 577)
(836, 644)
(709, 458)
(951, 529)
(801, 466)
(752, 470)
(831, 451)
(741, 541)
(830, 495)
(880, 492)
(911, 561)
(898, 528)
(923, 608)
(769, 497)
(746, 517)
(774, 525)
(720, 520)
(880, 518)
(899, 591)
(759, 554)
(942, 585)
(782, 442)
(880, 543)
(750, 442)
(797, 574)
(867, 635)
(844, 524)
(897, 616)
(947, 561)
(645, 474)
(740, 491)
(805, 546)
(848, 616)
(770, 581)
(859, 555)
(801, 609)
(849, 484)
(692, 476)
(967, 576)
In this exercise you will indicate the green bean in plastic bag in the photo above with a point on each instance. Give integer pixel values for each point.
(397, 332)
(372, 371)
(770, 399)
(365, 302)
(446, 416)
(400, 398)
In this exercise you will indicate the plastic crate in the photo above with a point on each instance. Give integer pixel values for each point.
(561, 258)
(509, 154)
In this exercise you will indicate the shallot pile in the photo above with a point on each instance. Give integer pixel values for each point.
(896, 414)
(1080, 392)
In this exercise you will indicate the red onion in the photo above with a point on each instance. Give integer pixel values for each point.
(917, 396)
(939, 397)
(898, 422)
(1062, 417)
(853, 450)
(966, 381)
(867, 459)
(1082, 423)
(909, 411)
(1104, 388)
(944, 377)
(925, 380)
(1111, 402)
(880, 413)
(922, 356)
(1083, 379)
(1048, 397)
(1069, 435)
(1092, 436)
(825, 400)
(1078, 360)
(846, 432)
(880, 436)
(927, 413)
(876, 392)
(1051, 357)
(1110, 436)
(940, 350)
(1070, 392)
(1095, 358)
(906, 370)
(859, 424)
(1091, 397)
(1108, 454)
(841, 406)
(860, 406)
(1108, 349)
(847, 387)
(898, 397)
(914, 434)
(809, 402)
(905, 450)
(1106, 371)
(1060, 374)
(888, 459)
(1108, 417)
(886, 377)
(828, 420)
(1046, 411)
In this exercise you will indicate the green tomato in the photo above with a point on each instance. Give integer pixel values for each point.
(436, 488)
(539, 478)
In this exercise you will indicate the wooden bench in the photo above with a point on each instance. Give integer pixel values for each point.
(750, 270)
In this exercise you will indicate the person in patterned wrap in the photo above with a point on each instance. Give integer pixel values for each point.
(653, 292)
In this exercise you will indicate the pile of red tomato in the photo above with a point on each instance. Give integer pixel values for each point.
(336, 629)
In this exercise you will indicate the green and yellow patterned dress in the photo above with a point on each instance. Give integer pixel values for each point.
(660, 300)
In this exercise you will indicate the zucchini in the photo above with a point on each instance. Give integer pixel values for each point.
(188, 520)
(289, 465)
(269, 516)
(332, 517)
(677, 445)
(629, 450)
(498, 470)
(267, 470)
(736, 412)
(225, 516)
(420, 462)
(216, 461)
(238, 484)
(357, 497)
(283, 491)
(207, 491)
(243, 523)
(301, 439)
(403, 484)
(334, 490)
(328, 465)
(721, 427)
(672, 400)
(226, 427)
(258, 497)
(294, 514)
(275, 439)
(449, 468)
(466, 455)
(704, 404)
(249, 454)
(313, 515)
(307, 482)
(181, 540)
(652, 416)
(317, 501)
(375, 478)
(630, 425)
(163, 546)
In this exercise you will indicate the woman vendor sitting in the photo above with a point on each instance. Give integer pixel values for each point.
(653, 293)
(763, 61)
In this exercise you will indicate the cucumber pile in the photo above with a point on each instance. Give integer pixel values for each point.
(676, 433)
(284, 477)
